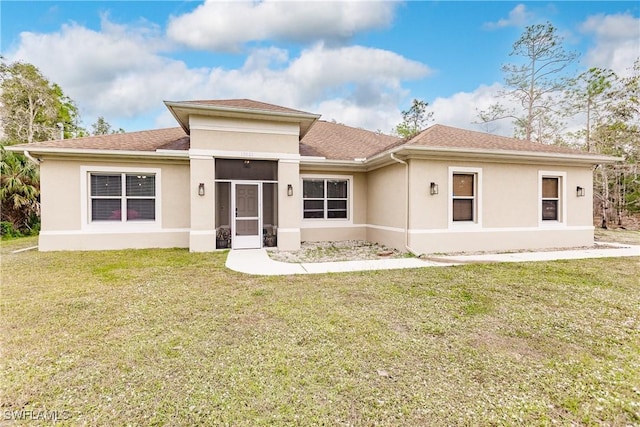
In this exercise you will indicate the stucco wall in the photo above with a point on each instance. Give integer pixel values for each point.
(202, 233)
(386, 206)
(60, 195)
(289, 212)
(509, 202)
(386, 196)
(496, 239)
(243, 137)
(509, 196)
(65, 222)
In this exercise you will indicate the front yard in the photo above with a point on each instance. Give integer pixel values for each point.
(166, 337)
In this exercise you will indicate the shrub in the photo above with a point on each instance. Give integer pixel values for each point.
(7, 231)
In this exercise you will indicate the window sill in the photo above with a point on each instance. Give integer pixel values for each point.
(117, 226)
(464, 225)
(319, 223)
(551, 223)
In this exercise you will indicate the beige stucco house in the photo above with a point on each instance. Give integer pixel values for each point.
(246, 174)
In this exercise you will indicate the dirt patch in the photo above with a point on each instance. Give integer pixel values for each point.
(359, 250)
(349, 250)
(628, 222)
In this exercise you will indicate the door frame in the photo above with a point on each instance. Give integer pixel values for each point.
(245, 242)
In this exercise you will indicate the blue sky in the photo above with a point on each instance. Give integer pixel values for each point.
(360, 63)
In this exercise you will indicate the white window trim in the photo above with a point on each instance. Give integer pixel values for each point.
(478, 196)
(315, 222)
(562, 193)
(85, 200)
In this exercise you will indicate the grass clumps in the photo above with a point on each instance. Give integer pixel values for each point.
(168, 337)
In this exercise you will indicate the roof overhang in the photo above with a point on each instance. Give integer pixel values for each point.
(456, 154)
(182, 110)
(324, 164)
(45, 152)
(361, 165)
(494, 156)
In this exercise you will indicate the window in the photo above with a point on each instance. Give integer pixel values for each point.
(464, 197)
(122, 197)
(550, 198)
(325, 198)
(552, 201)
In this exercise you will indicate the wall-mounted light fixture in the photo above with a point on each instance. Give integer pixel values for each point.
(579, 191)
(433, 188)
(247, 163)
(201, 189)
(289, 190)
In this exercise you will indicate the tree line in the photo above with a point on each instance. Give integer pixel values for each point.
(33, 109)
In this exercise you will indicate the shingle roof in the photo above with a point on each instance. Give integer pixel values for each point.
(450, 137)
(340, 142)
(332, 141)
(147, 140)
(244, 104)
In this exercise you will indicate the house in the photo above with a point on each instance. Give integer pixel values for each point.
(245, 174)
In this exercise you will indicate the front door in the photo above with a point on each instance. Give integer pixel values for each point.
(247, 205)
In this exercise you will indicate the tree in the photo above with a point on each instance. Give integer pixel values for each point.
(533, 84)
(610, 107)
(33, 109)
(19, 191)
(590, 95)
(414, 120)
(619, 135)
(102, 127)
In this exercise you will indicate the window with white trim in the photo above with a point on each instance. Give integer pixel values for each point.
(122, 197)
(325, 198)
(551, 198)
(464, 197)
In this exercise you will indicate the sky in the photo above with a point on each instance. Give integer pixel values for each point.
(360, 63)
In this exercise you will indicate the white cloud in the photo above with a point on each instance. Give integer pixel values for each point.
(356, 85)
(121, 73)
(369, 70)
(383, 115)
(114, 72)
(225, 26)
(519, 16)
(461, 110)
(617, 41)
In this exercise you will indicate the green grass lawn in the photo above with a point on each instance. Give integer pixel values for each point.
(629, 237)
(166, 337)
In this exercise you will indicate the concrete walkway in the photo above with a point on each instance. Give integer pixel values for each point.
(257, 261)
(612, 250)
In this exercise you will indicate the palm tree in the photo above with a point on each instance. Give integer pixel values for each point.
(19, 191)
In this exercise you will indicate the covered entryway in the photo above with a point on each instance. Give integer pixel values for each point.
(246, 203)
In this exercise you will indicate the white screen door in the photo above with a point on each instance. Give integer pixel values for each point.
(247, 200)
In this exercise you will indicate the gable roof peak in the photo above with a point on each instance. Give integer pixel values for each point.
(239, 108)
(241, 104)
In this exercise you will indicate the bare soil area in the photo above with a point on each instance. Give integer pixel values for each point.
(355, 250)
(348, 250)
